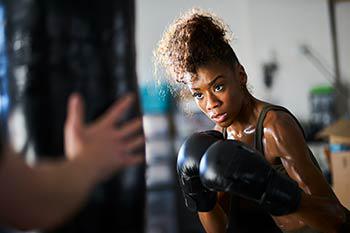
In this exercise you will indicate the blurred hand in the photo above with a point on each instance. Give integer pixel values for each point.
(107, 147)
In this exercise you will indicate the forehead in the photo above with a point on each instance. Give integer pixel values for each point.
(207, 73)
(212, 69)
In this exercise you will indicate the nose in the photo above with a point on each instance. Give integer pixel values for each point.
(212, 102)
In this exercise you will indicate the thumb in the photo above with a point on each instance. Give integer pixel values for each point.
(75, 112)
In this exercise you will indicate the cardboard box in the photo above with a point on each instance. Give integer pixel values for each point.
(339, 137)
(341, 176)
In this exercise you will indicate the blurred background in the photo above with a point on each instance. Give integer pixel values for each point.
(296, 54)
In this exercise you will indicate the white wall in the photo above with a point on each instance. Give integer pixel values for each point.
(343, 32)
(261, 28)
(154, 15)
(282, 26)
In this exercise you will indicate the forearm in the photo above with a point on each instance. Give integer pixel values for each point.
(321, 213)
(214, 221)
(43, 196)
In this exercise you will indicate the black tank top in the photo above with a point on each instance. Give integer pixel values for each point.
(247, 216)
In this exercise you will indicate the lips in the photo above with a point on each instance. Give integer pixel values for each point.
(218, 118)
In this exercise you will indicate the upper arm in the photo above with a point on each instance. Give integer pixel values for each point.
(284, 139)
(224, 201)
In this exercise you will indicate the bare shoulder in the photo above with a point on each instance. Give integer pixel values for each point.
(281, 124)
(279, 117)
(284, 138)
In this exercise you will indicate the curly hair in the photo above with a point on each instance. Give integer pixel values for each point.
(194, 39)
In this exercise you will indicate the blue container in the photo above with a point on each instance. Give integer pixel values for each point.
(156, 98)
(334, 148)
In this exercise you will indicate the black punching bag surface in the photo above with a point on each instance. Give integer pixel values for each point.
(56, 47)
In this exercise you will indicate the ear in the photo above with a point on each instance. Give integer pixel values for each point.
(242, 75)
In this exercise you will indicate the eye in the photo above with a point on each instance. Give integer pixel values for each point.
(197, 95)
(218, 87)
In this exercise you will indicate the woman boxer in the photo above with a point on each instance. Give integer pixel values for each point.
(195, 51)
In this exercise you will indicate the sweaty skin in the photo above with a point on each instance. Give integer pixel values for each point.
(220, 92)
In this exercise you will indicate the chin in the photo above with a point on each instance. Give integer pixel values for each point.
(225, 124)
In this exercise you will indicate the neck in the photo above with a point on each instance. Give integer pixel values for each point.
(246, 120)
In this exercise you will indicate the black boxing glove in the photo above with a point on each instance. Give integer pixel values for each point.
(231, 166)
(197, 197)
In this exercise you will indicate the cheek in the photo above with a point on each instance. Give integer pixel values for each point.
(233, 101)
(201, 105)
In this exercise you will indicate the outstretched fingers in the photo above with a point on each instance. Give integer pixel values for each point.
(133, 159)
(75, 112)
(135, 145)
(115, 112)
(130, 128)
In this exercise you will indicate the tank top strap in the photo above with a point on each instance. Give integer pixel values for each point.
(259, 133)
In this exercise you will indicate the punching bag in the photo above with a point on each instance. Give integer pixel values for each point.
(56, 47)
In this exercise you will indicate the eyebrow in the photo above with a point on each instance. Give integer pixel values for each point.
(211, 82)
